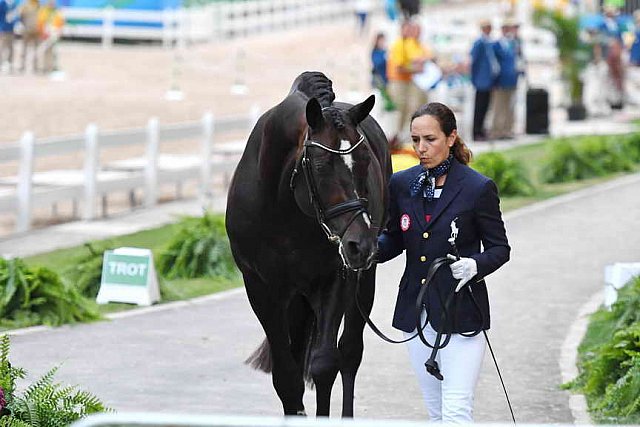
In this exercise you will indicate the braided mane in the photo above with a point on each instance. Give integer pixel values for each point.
(315, 84)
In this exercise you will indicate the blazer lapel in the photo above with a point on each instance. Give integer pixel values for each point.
(452, 187)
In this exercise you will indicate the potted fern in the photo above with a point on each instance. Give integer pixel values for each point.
(573, 54)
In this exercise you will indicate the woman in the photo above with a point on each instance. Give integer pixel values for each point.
(424, 202)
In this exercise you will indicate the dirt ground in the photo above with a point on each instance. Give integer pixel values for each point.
(124, 86)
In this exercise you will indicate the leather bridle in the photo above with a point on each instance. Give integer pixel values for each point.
(355, 206)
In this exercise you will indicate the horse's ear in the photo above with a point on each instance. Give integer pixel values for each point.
(359, 112)
(314, 114)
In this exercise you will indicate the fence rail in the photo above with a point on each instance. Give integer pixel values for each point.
(21, 193)
(214, 21)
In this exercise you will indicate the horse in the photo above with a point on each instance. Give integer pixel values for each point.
(304, 209)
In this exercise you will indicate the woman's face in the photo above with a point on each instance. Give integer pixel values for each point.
(430, 142)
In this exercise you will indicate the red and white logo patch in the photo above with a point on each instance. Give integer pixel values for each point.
(405, 222)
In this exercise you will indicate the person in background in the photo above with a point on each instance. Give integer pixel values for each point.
(8, 19)
(379, 62)
(484, 71)
(30, 37)
(426, 202)
(407, 56)
(504, 90)
(634, 62)
(50, 23)
(362, 10)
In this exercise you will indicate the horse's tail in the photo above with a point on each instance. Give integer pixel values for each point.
(302, 334)
(261, 358)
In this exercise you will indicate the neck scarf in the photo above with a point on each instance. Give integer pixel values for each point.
(425, 182)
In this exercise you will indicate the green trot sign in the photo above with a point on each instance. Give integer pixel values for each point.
(128, 275)
(125, 269)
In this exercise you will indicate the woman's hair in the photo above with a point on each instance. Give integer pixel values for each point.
(377, 39)
(447, 121)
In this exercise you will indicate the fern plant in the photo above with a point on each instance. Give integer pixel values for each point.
(199, 249)
(44, 403)
(33, 296)
(86, 270)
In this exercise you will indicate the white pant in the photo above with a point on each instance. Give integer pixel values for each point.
(450, 400)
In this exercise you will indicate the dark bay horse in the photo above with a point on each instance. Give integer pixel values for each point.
(304, 210)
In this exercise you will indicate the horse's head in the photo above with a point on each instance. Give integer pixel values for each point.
(334, 161)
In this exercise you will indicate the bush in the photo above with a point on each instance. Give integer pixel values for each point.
(44, 403)
(85, 272)
(199, 249)
(610, 360)
(509, 175)
(34, 296)
(587, 157)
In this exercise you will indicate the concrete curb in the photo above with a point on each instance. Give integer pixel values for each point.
(569, 357)
(138, 311)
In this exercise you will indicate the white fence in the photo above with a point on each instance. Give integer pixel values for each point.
(29, 189)
(215, 21)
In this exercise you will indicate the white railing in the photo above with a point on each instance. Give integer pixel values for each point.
(215, 21)
(29, 189)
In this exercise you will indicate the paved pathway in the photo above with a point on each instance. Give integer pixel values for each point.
(188, 357)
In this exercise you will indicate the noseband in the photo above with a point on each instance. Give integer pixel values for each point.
(357, 206)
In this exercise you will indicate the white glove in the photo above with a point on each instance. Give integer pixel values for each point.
(464, 269)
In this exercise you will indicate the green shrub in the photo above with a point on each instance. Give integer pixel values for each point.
(509, 175)
(586, 157)
(33, 296)
(43, 403)
(85, 272)
(631, 146)
(610, 360)
(199, 249)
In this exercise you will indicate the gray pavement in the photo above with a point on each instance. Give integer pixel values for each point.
(187, 357)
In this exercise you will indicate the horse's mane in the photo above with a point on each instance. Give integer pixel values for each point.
(315, 84)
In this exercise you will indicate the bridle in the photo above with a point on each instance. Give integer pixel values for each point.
(355, 206)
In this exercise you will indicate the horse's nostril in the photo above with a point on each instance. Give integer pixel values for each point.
(353, 248)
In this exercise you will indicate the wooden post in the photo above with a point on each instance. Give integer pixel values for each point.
(91, 165)
(25, 184)
(107, 27)
(208, 127)
(151, 165)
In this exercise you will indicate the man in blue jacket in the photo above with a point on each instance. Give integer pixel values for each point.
(484, 70)
(504, 91)
(8, 18)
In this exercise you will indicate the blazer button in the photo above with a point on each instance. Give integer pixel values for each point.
(423, 258)
(425, 235)
(423, 281)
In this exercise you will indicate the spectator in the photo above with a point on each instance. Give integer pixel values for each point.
(8, 18)
(634, 63)
(30, 36)
(362, 10)
(379, 62)
(484, 71)
(50, 23)
(504, 90)
(406, 58)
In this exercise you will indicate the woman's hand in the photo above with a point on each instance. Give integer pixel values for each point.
(464, 269)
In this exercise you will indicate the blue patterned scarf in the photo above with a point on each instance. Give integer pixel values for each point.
(425, 182)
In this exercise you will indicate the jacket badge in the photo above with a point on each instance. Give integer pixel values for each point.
(405, 222)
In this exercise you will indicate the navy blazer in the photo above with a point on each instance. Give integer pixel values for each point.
(483, 76)
(473, 199)
(506, 55)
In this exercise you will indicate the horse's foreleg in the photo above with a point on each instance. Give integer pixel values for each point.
(325, 357)
(351, 344)
(286, 374)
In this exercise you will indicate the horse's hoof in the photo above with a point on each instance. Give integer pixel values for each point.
(302, 413)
